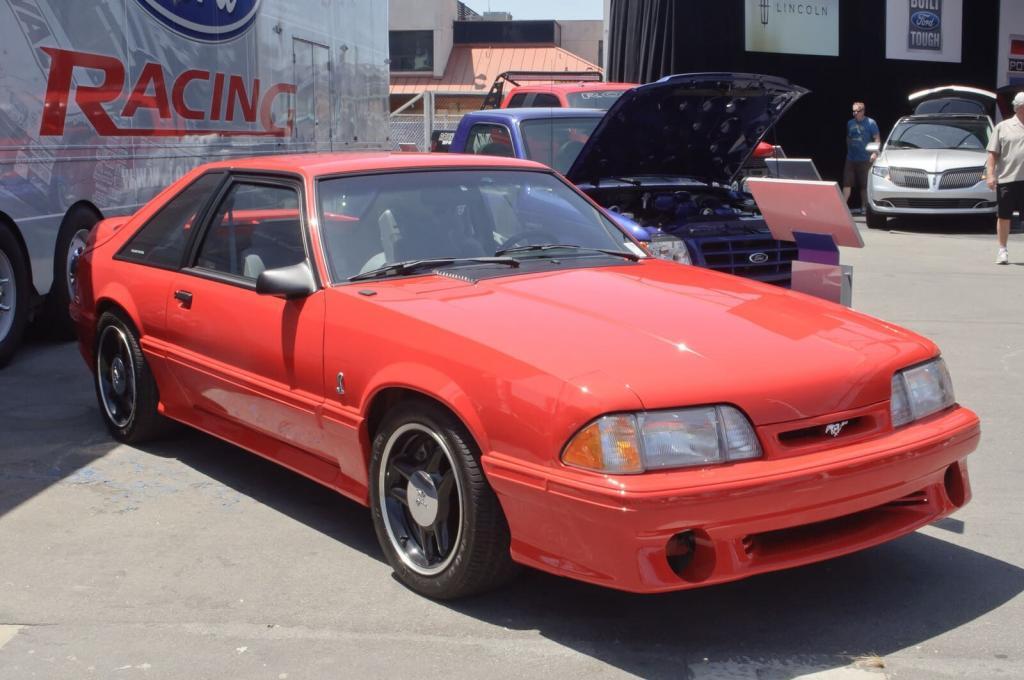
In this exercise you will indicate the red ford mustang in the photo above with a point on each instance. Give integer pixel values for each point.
(470, 347)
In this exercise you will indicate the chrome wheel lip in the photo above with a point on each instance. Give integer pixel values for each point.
(8, 295)
(75, 250)
(382, 495)
(115, 376)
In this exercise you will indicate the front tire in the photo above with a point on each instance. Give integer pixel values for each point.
(125, 387)
(437, 519)
(14, 295)
(874, 220)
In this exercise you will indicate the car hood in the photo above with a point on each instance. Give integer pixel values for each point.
(932, 160)
(702, 125)
(671, 334)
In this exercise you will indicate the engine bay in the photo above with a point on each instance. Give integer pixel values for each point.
(692, 209)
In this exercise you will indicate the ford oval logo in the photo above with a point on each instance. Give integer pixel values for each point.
(926, 21)
(206, 20)
(758, 258)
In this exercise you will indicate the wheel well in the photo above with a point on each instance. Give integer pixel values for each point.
(5, 220)
(84, 204)
(390, 397)
(107, 305)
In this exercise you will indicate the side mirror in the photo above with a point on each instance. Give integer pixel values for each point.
(873, 147)
(294, 281)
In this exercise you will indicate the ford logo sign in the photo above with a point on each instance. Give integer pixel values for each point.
(209, 21)
(925, 21)
(758, 258)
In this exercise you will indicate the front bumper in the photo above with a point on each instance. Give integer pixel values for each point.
(889, 199)
(746, 518)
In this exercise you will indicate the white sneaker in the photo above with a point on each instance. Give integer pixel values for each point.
(1003, 257)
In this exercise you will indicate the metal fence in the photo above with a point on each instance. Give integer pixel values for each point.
(429, 117)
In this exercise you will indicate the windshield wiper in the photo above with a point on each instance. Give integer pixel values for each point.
(409, 266)
(538, 247)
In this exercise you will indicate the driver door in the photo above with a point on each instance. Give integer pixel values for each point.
(244, 358)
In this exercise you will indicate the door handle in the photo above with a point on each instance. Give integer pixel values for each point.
(184, 297)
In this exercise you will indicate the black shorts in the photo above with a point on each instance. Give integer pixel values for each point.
(855, 174)
(1011, 199)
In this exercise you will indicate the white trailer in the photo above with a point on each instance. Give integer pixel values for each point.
(103, 103)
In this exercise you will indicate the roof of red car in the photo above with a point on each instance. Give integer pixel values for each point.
(333, 163)
(573, 87)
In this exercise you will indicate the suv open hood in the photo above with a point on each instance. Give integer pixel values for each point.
(701, 125)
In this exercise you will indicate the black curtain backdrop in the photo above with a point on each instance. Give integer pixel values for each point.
(653, 38)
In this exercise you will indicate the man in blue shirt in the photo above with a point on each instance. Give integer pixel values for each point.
(860, 130)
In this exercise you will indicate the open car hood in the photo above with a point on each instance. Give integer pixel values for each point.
(701, 125)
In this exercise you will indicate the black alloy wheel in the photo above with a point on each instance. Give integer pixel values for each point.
(436, 517)
(125, 387)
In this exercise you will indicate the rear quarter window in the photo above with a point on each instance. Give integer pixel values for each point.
(161, 241)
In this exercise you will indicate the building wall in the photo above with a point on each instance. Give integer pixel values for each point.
(673, 36)
(583, 38)
(427, 15)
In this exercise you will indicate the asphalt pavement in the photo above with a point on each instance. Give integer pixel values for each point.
(193, 559)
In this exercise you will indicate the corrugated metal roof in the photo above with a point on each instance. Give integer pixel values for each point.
(472, 69)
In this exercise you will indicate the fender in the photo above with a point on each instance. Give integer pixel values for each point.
(431, 383)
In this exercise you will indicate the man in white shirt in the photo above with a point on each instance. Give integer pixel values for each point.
(1004, 172)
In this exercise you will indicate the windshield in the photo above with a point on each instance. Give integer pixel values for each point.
(951, 134)
(374, 221)
(593, 99)
(556, 142)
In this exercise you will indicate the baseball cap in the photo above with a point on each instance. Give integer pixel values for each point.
(1018, 100)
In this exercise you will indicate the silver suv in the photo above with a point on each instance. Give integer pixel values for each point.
(933, 161)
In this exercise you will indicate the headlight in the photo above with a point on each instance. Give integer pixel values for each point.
(880, 171)
(632, 443)
(668, 247)
(920, 391)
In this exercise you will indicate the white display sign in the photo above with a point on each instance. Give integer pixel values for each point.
(924, 30)
(793, 27)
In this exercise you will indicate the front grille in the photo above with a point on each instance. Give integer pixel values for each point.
(961, 178)
(733, 256)
(934, 203)
(912, 178)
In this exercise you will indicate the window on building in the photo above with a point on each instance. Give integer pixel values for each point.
(412, 50)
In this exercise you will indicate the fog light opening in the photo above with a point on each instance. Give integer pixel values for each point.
(679, 551)
(954, 482)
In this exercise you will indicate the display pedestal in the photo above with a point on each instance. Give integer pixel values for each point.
(815, 217)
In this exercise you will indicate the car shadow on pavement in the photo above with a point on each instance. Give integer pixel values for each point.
(274, 486)
(50, 429)
(785, 624)
(948, 225)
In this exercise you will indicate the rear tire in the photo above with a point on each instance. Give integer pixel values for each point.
(874, 220)
(70, 243)
(125, 387)
(436, 517)
(14, 294)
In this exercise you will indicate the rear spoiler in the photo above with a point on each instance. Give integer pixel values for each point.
(497, 91)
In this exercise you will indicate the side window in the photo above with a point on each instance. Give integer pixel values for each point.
(161, 241)
(517, 101)
(546, 99)
(255, 227)
(488, 139)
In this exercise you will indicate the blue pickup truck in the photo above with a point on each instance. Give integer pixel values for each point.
(662, 161)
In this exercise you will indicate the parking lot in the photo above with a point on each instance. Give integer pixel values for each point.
(194, 559)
